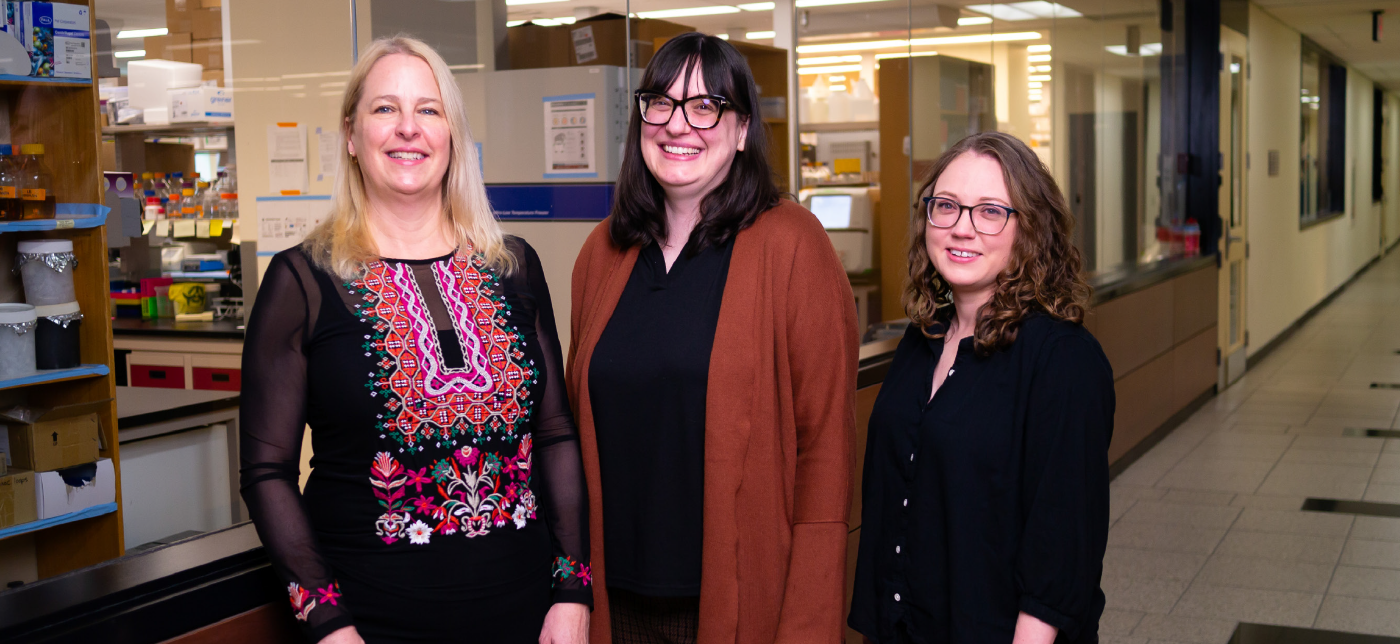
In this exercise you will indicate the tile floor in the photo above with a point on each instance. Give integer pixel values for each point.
(1206, 528)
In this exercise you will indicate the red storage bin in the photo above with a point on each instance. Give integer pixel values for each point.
(218, 378)
(162, 376)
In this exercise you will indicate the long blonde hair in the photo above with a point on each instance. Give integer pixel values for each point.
(342, 244)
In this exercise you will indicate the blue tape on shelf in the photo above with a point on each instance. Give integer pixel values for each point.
(82, 209)
(577, 202)
(86, 513)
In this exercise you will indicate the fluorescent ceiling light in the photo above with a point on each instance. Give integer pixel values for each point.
(917, 42)
(829, 60)
(1040, 68)
(722, 36)
(761, 35)
(827, 3)
(130, 53)
(905, 55)
(1146, 49)
(687, 12)
(837, 77)
(142, 33)
(838, 88)
(833, 69)
(1039, 77)
(758, 6)
(515, 23)
(1038, 9)
(1038, 58)
(1038, 49)
(1036, 84)
(513, 3)
(975, 20)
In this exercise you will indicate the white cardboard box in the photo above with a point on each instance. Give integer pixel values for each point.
(58, 39)
(66, 491)
(203, 103)
(149, 81)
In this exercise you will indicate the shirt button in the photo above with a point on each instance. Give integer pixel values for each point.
(896, 549)
(911, 458)
(896, 596)
(906, 503)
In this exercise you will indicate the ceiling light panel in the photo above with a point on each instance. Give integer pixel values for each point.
(827, 3)
(975, 20)
(833, 69)
(868, 45)
(132, 53)
(1038, 58)
(905, 55)
(142, 33)
(1147, 49)
(758, 6)
(760, 35)
(1038, 10)
(712, 10)
(829, 60)
(1038, 49)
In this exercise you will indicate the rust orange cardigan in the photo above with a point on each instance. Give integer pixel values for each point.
(779, 431)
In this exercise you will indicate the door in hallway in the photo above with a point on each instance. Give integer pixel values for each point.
(1234, 245)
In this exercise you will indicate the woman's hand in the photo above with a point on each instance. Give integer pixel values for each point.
(347, 635)
(1030, 630)
(565, 624)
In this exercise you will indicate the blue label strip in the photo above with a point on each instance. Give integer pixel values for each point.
(570, 97)
(551, 202)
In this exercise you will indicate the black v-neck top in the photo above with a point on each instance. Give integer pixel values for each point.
(647, 383)
(446, 490)
(990, 499)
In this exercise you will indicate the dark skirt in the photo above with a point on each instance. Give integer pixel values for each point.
(643, 619)
(512, 615)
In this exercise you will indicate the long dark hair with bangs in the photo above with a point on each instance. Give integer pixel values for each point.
(639, 212)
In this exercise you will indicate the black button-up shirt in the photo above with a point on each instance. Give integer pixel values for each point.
(648, 382)
(991, 499)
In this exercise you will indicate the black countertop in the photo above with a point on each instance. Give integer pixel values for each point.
(166, 327)
(137, 406)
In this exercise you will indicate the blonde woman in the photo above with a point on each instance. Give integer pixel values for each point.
(446, 500)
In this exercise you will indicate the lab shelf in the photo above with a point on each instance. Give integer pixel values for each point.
(85, 513)
(11, 80)
(70, 215)
(56, 375)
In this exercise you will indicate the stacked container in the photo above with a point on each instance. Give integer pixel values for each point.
(17, 358)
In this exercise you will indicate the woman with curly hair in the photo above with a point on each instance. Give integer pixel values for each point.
(985, 511)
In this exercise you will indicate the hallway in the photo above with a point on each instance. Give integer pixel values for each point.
(1206, 528)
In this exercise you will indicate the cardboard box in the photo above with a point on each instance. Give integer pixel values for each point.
(535, 46)
(75, 488)
(58, 39)
(18, 503)
(208, 53)
(211, 4)
(203, 103)
(215, 76)
(43, 439)
(171, 46)
(601, 40)
(206, 24)
(177, 15)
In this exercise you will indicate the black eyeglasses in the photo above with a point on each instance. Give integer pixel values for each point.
(986, 218)
(701, 112)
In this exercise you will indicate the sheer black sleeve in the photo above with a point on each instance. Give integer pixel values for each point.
(558, 462)
(272, 421)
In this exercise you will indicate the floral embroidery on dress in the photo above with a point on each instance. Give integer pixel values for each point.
(566, 568)
(303, 601)
(424, 400)
(476, 490)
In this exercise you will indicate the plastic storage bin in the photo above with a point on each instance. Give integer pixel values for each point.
(17, 323)
(57, 328)
(47, 268)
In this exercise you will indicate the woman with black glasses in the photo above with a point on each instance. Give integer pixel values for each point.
(985, 513)
(713, 365)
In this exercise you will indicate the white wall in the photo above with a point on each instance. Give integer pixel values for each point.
(1291, 270)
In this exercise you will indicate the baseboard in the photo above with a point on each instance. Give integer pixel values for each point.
(1131, 456)
(1284, 335)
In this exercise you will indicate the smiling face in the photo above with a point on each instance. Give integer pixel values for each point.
(968, 260)
(689, 163)
(399, 133)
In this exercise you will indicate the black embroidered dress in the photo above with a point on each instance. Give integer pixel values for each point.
(446, 501)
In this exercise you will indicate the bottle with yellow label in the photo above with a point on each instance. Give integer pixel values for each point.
(9, 191)
(36, 194)
(189, 207)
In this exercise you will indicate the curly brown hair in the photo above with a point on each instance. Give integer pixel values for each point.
(1044, 271)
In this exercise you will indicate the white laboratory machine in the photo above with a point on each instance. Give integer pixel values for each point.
(846, 214)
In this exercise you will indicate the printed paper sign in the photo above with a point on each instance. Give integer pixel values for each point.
(568, 136)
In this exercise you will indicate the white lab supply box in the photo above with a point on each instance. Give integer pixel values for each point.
(203, 103)
(149, 81)
(76, 488)
(58, 38)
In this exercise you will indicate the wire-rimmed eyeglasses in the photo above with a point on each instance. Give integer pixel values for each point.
(702, 112)
(986, 218)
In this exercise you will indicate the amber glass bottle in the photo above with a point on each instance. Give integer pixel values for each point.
(36, 195)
